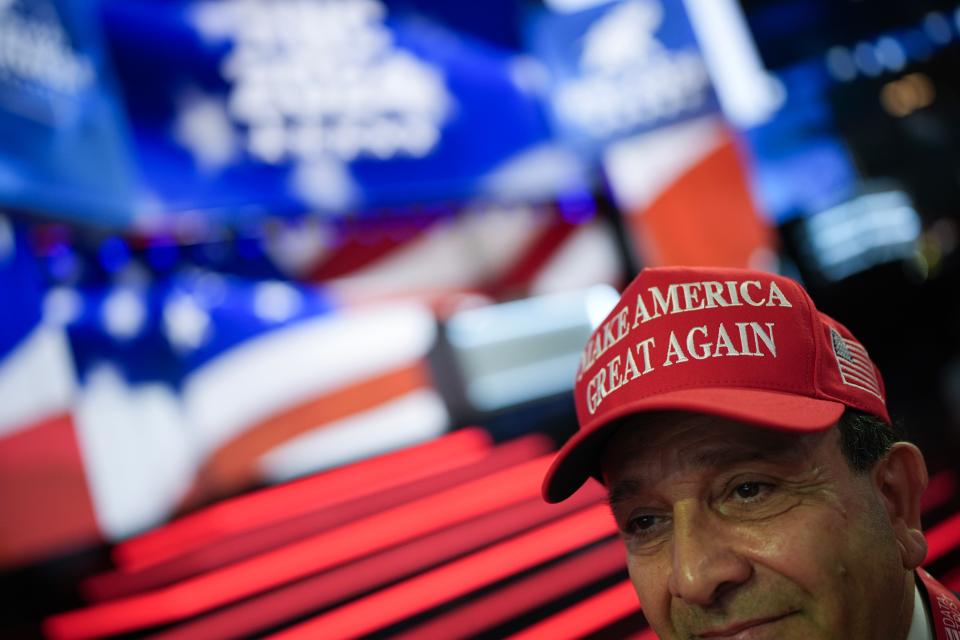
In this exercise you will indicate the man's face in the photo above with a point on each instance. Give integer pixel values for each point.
(737, 532)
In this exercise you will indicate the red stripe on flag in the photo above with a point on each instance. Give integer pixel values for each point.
(456, 578)
(585, 617)
(235, 547)
(46, 504)
(366, 245)
(304, 558)
(533, 258)
(276, 504)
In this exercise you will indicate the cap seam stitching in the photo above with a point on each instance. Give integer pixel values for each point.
(818, 355)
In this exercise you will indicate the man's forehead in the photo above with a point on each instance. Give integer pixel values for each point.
(694, 440)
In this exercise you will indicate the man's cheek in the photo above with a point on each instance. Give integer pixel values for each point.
(790, 552)
(806, 559)
(650, 583)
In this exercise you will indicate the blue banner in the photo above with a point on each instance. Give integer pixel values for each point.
(63, 148)
(622, 68)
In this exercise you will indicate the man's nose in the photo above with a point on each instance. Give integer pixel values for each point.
(706, 562)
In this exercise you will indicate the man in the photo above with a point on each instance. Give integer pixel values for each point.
(751, 466)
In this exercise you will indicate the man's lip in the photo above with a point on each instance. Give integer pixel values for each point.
(734, 629)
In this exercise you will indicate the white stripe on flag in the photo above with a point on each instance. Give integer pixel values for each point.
(587, 258)
(285, 367)
(36, 380)
(139, 458)
(412, 418)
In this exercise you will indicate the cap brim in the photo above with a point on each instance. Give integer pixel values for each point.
(578, 459)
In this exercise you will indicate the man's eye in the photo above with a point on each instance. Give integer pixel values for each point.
(643, 523)
(645, 526)
(749, 491)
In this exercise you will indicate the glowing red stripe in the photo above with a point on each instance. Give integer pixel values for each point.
(313, 594)
(238, 546)
(646, 634)
(456, 578)
(940, 490)
(317, 553)
(586, 617)
(523, 595)
(943, 538)
(286, 501)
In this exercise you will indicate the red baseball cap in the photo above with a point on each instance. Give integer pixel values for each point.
(738, 344)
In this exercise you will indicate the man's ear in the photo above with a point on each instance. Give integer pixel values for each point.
(900, 478)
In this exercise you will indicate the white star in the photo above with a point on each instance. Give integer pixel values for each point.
(186, 323)
(123, 313)
(276, 301)
(203, 127)
(61, 306)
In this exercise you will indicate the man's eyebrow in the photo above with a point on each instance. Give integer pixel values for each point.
(621, 492)
(727, 456)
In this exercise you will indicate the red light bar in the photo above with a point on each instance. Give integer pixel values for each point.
(238, 546)
(942, 539)
(289, 500)
(301, 559)
(314, 594)
(586, 617)
(523, 595)
(952, 580)
(940, 490)
(456, 578)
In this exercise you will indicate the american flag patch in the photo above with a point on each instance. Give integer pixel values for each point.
(856, 370)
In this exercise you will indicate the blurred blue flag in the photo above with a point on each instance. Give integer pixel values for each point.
(242, 108)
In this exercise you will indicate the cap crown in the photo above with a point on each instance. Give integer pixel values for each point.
(685, 328)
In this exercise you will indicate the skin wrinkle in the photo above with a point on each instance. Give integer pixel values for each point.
(812, 548)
